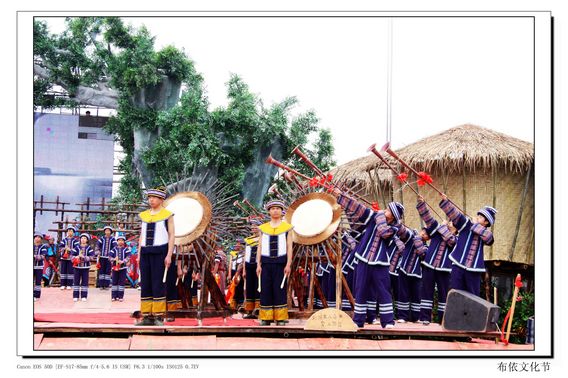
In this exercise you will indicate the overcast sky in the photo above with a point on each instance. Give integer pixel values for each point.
(446, 71)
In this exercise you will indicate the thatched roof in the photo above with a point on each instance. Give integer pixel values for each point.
(468, 146)
(357, 170)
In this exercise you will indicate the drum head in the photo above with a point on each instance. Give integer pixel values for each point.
(315, 218)
(192, 212)
(312, 217)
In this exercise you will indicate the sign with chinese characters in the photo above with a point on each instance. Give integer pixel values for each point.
(330, 319)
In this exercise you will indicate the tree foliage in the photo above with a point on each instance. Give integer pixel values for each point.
(103, 52)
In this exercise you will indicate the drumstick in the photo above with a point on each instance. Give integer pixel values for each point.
(283, 280)
(259, 284)
(165, 274)
(192, 283)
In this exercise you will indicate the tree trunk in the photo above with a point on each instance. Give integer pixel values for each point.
(258, 174)
(161, 96)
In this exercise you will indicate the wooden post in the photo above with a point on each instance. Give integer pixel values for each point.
(56, 205)
(311, 288)
(289, 299)
(62, 210)
(495, 303)
(487, 286)
(338, 273)
(59, 233)
(519, 217)
(202, 298)
(321, 294)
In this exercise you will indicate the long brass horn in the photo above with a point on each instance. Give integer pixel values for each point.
(250, 205)
(386, 148)
(237, 204)
(373, 149)
(307, 160)
(271, 160)
(319, 172)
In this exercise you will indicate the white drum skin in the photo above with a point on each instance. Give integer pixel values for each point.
(189, 213)
(312, 217)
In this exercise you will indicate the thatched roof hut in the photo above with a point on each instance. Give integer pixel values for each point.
(474, 166)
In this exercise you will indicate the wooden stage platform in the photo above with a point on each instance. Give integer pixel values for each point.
(100, 324)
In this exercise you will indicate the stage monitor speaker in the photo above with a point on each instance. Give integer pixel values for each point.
(468, 312)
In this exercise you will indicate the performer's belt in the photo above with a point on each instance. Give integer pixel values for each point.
(154, 249)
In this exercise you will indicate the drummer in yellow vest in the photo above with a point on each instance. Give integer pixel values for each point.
(273, 263)
(157, 237)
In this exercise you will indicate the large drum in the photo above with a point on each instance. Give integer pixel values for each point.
(315, 217)
(193, 212)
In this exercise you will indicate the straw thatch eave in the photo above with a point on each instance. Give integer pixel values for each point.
(467, 146)
(358, 170)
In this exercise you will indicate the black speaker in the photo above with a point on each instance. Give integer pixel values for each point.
(468, 312)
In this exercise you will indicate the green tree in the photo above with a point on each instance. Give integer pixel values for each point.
(163, 120)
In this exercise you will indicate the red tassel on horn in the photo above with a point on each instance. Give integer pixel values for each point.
(402, 177)
(424, 179)
(329, 177)
(375, 206)
(314, 182)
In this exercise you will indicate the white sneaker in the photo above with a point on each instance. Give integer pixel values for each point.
(62, 288)
(75, 299)
(121, 300)
(68, 287)
(377, 321)
(388, 326)
(401, 321)
(83, 299)
(35, 299)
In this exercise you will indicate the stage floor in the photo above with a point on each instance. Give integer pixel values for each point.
(100, 324)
